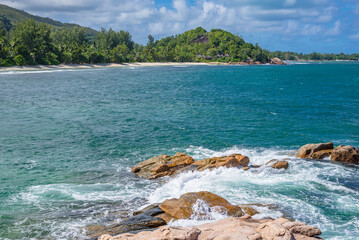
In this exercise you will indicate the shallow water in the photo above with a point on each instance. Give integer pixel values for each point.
(69, 138)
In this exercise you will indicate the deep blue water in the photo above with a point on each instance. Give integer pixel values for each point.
(69, 137)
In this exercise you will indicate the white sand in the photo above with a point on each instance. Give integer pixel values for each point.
(73, 66)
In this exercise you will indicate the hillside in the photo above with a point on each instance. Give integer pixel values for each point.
(215, 45)
(10, 16)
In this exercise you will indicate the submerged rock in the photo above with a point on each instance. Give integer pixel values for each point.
(345, 154)
(162, 165)
(229, 229)
(182, 208)
(315, 151)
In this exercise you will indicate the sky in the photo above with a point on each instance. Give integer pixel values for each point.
(286, 25)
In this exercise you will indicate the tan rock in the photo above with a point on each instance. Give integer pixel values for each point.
(280, 165)
(322, 154)
(182, 208)
(274, 163)
(308, 150)
(162, 165)
(346, 154)
(274, 231)
(276, 61)
(246, 168)
(225, 229)
(234, 160)
(249, 210)
(302, 228)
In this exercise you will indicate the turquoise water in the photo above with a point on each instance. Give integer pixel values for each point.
(69, 137)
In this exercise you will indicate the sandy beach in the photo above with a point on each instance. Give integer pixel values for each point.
(83, 66)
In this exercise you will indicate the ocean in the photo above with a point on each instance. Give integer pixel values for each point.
(68, 140)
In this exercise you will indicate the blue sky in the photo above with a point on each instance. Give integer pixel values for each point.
(287, 25)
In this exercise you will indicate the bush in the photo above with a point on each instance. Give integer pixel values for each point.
(20, 60)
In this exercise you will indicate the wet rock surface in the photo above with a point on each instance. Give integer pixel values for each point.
(315, 151)
(182, 208)
(162, 165)
(165, 165)
(345, 154)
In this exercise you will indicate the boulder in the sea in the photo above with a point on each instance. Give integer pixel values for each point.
(280, 165)
(315, 151)
(345, 154)
(276, 61)
(182, 208)
(162, 165)
(234, 160)
(141, 221)
(274, 163)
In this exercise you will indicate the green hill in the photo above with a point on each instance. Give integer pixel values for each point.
(200, 45)
(10, 16)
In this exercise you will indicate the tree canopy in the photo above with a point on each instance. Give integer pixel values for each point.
(31, 43)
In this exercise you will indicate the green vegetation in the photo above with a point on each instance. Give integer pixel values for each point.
(293, 56)
(26, 39)
(31, 43)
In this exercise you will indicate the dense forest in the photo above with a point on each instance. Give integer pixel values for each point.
(293, 56)
(31, 43)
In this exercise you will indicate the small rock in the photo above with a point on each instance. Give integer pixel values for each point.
(280, 165)
(274, 163)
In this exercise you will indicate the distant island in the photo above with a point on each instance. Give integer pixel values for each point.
(26, 39)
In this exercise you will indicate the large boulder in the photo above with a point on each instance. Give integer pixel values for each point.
(234, 160)
(162, 165)
(182, 208)
(345, 154)
(276, 61)
(229, 229)
(315, 151)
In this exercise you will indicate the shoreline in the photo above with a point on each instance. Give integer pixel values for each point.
(100, 65)
(135, 64)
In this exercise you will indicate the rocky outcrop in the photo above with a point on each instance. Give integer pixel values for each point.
(345, 154)
(142, 221)
(182, 208)
(276, 61)
(162, 165)
(230, 229)
(165, 165)
(234, 160)
(315, 151)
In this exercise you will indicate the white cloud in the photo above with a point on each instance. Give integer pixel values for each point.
(354, 36)
(311, 29)
(141, 17)
(335, 30)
